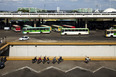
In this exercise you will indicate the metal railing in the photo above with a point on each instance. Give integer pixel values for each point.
(57, 13)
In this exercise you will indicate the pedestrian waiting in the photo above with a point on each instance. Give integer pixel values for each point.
(87, 59)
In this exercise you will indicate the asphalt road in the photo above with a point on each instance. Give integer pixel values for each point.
(96, 36)
(64, 69)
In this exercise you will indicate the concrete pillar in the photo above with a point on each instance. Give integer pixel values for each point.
(7, 21)
(34, 22)
(79, 22)
(76, 23)
(42, 21)
(39, 22)
(113, 19)
(85, 23)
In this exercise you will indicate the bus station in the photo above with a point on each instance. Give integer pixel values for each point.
(20, 44)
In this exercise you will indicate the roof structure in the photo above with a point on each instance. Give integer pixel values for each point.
(110, 10)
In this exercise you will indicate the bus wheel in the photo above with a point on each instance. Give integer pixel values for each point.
(79, 34)
(111, 35)
(40, 32)
(65, 34)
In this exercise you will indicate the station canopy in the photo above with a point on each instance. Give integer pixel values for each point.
(110, 10)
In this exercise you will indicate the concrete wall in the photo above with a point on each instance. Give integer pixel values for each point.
(62, 51)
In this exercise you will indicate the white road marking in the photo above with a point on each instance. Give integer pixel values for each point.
(103, 67)
(78, 68)
(57, 69)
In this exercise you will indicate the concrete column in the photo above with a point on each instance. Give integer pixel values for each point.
(113, 19)
(79, 22)
(34, 22)
(39, 22)
(85, 23)
(42, 21)
(6, 21)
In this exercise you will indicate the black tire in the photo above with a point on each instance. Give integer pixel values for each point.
(33, 61)
(65, 34)
(112, 36)
(48, 62)
(58, 62)
(79, 34)
(38, 62)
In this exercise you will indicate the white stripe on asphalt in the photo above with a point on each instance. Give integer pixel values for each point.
(57, 69)
(103, 67)
(78, 68)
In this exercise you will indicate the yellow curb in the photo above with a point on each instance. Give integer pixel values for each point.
(80, 43)
(65, 58)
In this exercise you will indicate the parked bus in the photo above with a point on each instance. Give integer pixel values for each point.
(74, 31)
(56, 28)
(68, 26)
(111, 32)
(36, 30)
(46, 26)
(16, 28)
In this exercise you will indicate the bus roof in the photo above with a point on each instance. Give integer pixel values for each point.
(16, 25)
(45, 26)
(68, 25)
(74, 28)
(27, 26)
(111, 30)
(56, 26)
(34, 27)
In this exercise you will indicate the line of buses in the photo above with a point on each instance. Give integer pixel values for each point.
(64, 29)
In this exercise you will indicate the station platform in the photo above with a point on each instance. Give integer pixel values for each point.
(57, 43)
(64, 57)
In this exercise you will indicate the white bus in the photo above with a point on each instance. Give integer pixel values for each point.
(111, 32)
(47, 26)
(16, 28)
(74, 31)
(56, 28)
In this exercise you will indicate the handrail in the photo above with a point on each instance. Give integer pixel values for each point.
(4, 46)
(58, 43)
(57, 13)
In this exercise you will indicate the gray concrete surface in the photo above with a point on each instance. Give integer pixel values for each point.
(64, 69)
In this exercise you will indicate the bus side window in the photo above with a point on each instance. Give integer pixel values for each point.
(76, 30)
(80, 30)
(112, 32)
(86, 30)
(66, 30)
(35, 29)
(73, 30)
(108, 32)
